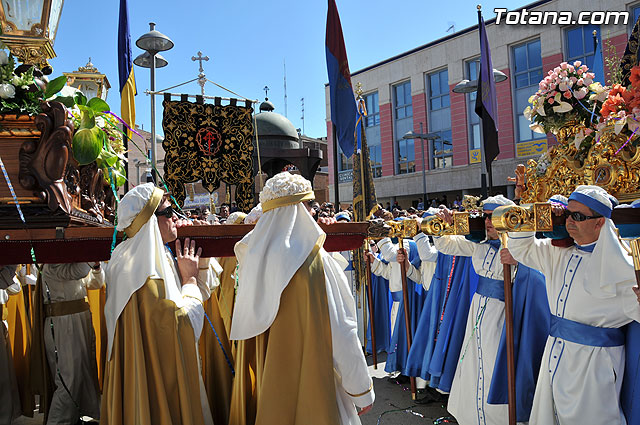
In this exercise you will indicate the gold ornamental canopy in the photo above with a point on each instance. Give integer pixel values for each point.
(29, 29)
(89, 80)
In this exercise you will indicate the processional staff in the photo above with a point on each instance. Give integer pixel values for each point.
(533, 217)
(374, 347)
(407, 229)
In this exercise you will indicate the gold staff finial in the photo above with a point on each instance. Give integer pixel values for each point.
(359, 90)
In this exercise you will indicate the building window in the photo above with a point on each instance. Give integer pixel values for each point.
(403, 123)
(373, 109)
(345, 167)
(372, 132)
(402, 96)
(441, 151)
(474, 129)
(527, 73)
(579, 44)
(635, 12)
(375, 158)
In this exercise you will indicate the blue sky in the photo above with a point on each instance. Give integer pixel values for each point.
(249, 41)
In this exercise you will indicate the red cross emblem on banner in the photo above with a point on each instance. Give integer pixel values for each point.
(209, 140)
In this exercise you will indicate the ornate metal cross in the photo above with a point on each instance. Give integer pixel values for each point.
(201, 77)
(200, 58)
(266, 92)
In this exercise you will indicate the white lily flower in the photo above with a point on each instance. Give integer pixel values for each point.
(527, 112)
(619, 125)
(562, 108)
(537, 128)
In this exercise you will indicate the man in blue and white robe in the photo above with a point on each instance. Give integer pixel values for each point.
(589, 289)
(485, 320)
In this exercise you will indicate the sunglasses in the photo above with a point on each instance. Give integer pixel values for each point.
(167, 212)
(486, 216)
(578, 216)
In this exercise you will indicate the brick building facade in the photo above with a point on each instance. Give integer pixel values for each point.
(415, 88)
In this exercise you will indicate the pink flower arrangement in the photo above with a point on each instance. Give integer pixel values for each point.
(564, 95)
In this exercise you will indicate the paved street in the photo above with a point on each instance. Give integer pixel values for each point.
(393, 405)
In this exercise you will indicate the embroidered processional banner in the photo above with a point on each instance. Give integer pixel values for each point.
(211, 143)
(630, 57)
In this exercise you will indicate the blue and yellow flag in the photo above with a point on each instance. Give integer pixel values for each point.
(125, 69)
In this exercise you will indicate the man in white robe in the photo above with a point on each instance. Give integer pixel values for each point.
(472, 380)
(589, 288)
(281, 263)
(428, 256)
(393, 273)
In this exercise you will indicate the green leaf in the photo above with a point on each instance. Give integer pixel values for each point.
(54, 86)
(120, 180)
(67, 101)
(86, 145)
(109, 158)
(80, 98)
(88, 119)
(98, 105)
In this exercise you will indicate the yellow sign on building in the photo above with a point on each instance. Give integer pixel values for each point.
(475, 156)
(533, 147)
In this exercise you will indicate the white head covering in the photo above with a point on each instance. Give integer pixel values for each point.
(236, 218)
(139, 257)
(595, 198)
(609, 264)
(493, 202)
(272, 252)
(254, 215)
(559, 199)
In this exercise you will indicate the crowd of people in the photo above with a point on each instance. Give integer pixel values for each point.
(270, 336)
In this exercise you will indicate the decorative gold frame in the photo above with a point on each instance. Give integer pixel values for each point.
(613, 163)
(523, 218)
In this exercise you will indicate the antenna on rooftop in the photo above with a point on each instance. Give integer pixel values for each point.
(285, 86)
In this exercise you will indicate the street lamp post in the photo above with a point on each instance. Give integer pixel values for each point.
(466, 86)
(422, 137)
(152, 43)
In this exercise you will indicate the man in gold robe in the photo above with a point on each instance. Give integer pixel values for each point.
(226, 291)
(294, 298)
(154, 317)
(9, 395)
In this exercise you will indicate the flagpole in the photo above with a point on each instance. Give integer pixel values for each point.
(367, 289)
(336, 189)
(483, 161)
(508, 298)
(483, 172)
